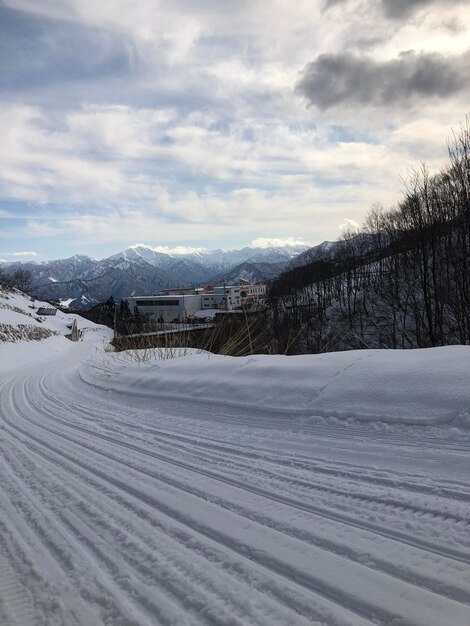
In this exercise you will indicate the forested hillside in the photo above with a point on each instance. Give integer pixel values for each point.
(402, 281)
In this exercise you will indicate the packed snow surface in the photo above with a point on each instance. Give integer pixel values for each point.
(330, 489)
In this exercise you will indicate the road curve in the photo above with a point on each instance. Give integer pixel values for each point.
(127, 510)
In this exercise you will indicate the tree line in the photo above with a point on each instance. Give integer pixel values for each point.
(21, 279)
(400, 281)
(116, 315)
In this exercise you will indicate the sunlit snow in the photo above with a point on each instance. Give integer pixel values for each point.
(320, 489)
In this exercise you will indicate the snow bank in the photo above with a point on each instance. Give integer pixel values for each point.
(26, 337)
(421, 387)
(428, 386)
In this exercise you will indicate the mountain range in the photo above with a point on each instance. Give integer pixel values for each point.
(81, 281)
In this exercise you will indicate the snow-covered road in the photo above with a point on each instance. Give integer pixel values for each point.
(126, 508)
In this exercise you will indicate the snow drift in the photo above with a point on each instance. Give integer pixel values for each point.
(427, 386)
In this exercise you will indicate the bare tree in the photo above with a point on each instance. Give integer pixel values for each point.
(5, 281)
(403, 281)
(22, 279)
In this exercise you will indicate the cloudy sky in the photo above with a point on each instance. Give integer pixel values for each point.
(214, 123)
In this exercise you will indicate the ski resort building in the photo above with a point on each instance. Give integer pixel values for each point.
(167, 308)
(226, 298)
(253, 295)
(174, 306)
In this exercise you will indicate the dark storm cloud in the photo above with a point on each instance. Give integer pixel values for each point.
(332, 3)
(336, 79)
(399, 9)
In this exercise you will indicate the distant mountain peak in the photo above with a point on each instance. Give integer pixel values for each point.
(142, 269)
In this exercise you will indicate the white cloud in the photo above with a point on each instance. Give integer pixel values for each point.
(168, 249)
(202, 136)
(179, 250)
(253, 176)
(348, 225)
(17, 254)
(264, 242)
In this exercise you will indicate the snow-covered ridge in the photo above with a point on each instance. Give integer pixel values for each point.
(141, 269)
(20, 321)
(216, 259)
(414, 387)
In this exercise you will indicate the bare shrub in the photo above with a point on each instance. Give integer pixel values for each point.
(24, 332)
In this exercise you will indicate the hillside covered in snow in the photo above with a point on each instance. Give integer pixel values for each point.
(139, 489)
(22, 319)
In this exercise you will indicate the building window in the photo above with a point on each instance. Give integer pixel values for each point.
(157, 303)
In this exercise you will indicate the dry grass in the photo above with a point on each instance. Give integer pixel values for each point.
(239, 335)
(16, 309)
(24, 332)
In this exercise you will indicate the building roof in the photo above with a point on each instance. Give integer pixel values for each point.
(46, 311)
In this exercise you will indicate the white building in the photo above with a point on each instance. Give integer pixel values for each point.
(170, 308)
(252, 295)
(226, 297)
(177, 307)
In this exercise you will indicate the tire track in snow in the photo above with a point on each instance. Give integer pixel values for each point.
(91, 509)
(112, 442)
(16, 607)
(281, 568)
(323, 602)
(192, 468)
(413, 541)
(459, 592)
(337, 472)
(211, 453)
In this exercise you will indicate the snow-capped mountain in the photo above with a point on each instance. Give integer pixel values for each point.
(256, 264)
(224, 260)
(141, 269)
(183, 268)
(253, 271)
(217, 260)
(327, 250)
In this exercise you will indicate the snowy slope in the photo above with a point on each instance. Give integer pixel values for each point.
(26, 337)
(213, 490)
(428, 386)
(18, 311)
